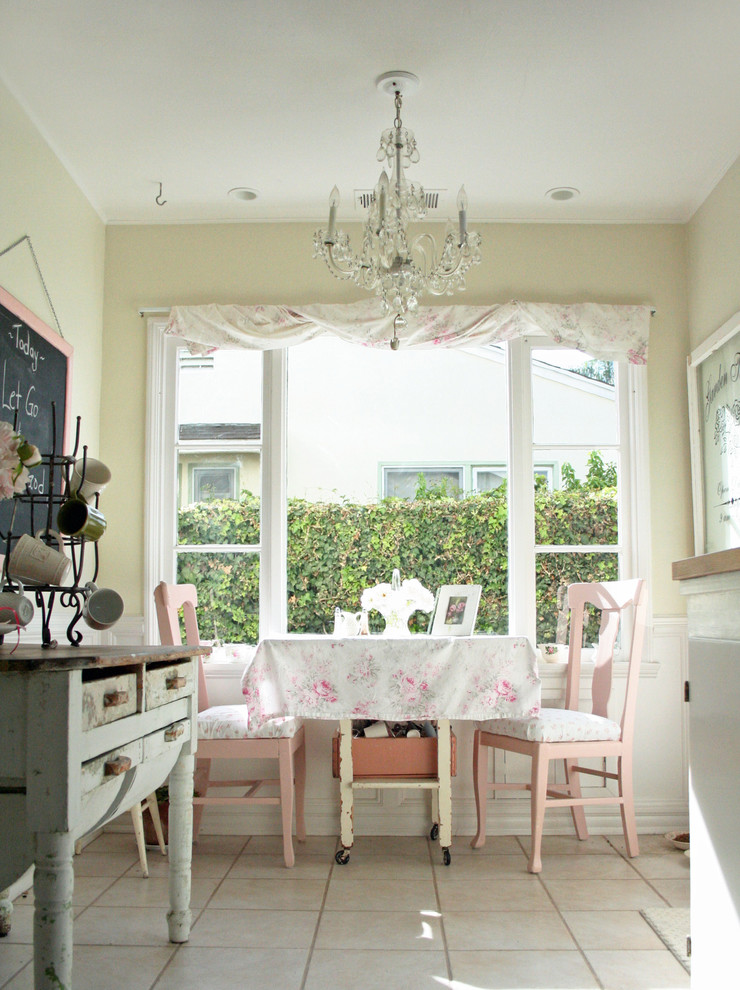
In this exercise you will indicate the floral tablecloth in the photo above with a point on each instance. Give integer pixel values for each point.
(419, 677)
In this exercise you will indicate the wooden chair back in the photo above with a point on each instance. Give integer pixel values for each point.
(170, 599)
(613, 598)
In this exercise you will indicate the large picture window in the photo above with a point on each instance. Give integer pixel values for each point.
(511, 466)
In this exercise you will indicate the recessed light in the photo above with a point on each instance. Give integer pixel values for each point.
(561, 193)
(243, 193)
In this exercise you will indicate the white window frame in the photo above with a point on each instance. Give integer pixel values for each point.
(161, 476)
(160, 525)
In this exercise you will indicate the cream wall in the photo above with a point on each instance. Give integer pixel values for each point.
(152, 266)
(38, 198)
(714, 253)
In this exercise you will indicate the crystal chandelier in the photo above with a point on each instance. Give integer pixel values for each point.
(392, 264)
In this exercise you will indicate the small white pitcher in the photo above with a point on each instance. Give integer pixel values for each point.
(346, 623)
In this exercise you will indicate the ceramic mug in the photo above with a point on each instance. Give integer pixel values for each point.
(32, 561)
(15, 608)
(103, 606)
(97, 476)
(77, 518)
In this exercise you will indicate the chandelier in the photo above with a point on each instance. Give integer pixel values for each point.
(391, 263)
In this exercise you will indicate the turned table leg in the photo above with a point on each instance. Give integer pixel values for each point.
(52, 924)
(180, 847)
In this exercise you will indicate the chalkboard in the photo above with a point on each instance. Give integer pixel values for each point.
(35, 371)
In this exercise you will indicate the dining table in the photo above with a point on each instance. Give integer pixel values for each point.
(397, 679)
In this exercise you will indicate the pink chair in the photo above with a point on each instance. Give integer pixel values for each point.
(568, 734)
(223, 732)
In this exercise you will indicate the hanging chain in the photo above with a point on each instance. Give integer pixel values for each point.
(397, 122)
(41, 277)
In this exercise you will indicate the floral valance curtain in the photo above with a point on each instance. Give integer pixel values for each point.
(612, 333)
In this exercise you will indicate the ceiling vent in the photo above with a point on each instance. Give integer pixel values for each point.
(364, 197)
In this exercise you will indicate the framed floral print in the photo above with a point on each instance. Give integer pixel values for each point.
(714, 422)
(456, 610)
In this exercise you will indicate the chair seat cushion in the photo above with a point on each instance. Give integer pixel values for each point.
(555, 725)
(230, 722)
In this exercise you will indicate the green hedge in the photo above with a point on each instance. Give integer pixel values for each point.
(335, 550)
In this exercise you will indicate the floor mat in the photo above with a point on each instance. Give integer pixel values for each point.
(672, 926)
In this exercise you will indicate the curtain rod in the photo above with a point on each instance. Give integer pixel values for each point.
(158, 311)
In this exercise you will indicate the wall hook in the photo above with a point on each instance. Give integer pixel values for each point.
(158, 199)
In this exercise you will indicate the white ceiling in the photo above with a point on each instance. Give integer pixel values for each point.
(634, 102)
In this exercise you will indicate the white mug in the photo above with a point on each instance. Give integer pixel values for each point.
(103, 606)
(15, 608)
(378, 730)
(32, 561)
(97, 476)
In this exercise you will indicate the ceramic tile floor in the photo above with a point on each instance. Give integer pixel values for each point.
(394, 917)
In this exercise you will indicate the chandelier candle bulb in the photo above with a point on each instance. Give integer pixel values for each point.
(462, 207)
(333, 204)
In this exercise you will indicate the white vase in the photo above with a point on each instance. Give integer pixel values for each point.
(397, 622)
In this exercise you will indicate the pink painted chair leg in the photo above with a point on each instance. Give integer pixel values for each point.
(578, 813)
(300, 792)
(480, 786)
(200, 786)
(285, 760)
(627, 808)
(540, 767)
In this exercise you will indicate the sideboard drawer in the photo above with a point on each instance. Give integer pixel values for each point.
(162, 740)
(107, 700)
(111, 765)
(165, 684)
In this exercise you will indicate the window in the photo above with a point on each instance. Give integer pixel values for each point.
(302, 462)
(213, 481)
(404, 482)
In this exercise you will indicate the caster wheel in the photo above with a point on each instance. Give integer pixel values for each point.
(446, 858)
(434, 834)
(342, 857)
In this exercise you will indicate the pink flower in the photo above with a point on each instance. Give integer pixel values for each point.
(324, 690)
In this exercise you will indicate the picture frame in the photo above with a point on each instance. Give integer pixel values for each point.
(714, 426)
(456, 610)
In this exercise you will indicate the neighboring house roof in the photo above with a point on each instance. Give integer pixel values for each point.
(220, 431)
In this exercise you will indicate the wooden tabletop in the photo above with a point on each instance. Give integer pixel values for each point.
(721, 562)
(36, 657)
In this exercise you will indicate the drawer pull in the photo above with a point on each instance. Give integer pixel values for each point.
(112, 699)
(117, 766)
(175, 683)
(174, 732)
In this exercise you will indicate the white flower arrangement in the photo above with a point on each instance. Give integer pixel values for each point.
(17, 455)
(408, 595)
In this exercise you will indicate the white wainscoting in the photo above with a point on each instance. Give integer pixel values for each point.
(661, 760)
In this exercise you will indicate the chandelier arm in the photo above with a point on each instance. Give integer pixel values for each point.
(334, 267)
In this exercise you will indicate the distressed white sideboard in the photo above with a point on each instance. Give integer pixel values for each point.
(711, 584)
(85, 733)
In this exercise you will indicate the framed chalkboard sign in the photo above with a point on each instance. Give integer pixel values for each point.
(714, 419)
(35, 371)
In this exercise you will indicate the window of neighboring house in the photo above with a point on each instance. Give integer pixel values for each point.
(551, 430)
(404, 482)
(213, 482)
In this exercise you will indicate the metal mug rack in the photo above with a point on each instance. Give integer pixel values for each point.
(42, 510)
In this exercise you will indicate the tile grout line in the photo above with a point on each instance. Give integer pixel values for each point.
(564, 922)
(448, 961)
(629, 861)
(194, 920)
(309, 956)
